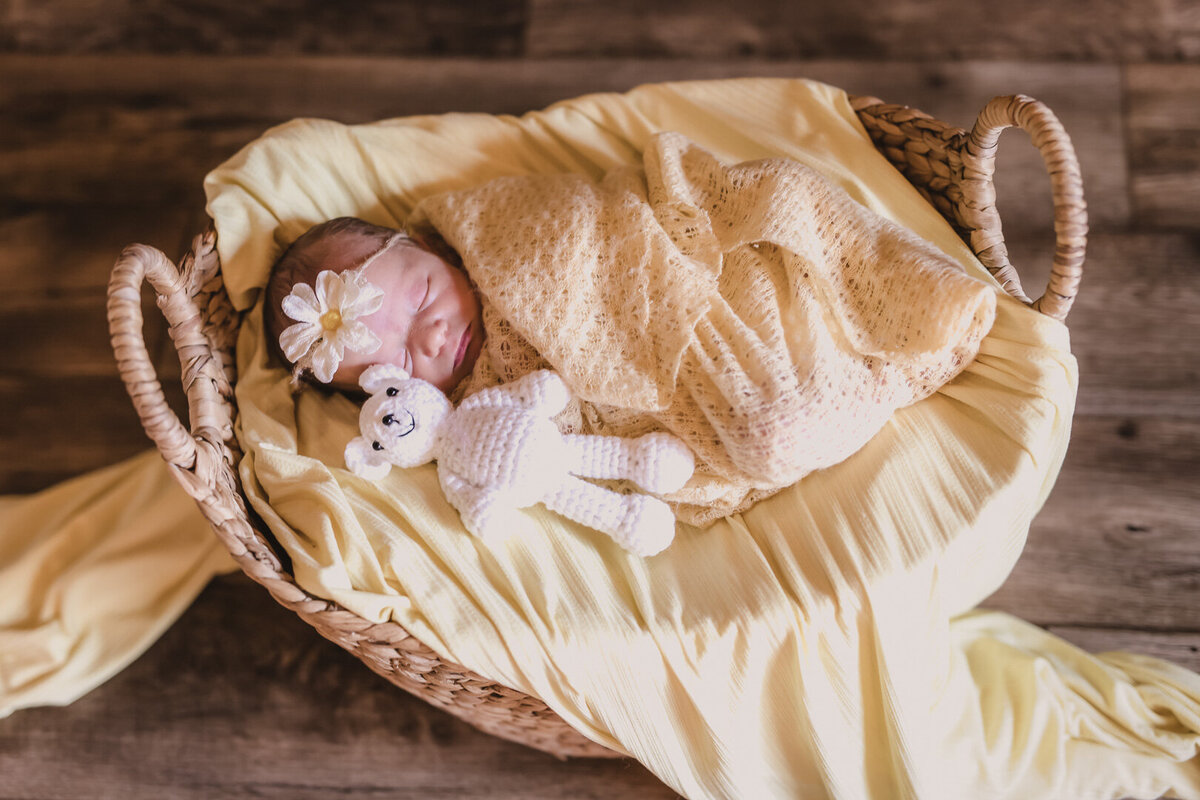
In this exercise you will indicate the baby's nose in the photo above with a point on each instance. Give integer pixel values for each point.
(433, 337)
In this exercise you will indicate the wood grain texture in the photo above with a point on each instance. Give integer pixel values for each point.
(1135, 329)
(51, 250)
(1076, 30)
(53, 428)
(1179, 648)
(1108, 30)
(59, 389)
(49, 329)
(147, 128)
(1164, 138)
(307, 27)
(1116, 544)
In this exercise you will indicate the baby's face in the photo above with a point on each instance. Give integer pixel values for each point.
(430, 323)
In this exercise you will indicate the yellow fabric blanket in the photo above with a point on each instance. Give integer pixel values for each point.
(815, 645)
(755, 311)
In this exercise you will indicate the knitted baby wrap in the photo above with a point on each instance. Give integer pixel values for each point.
(755, 311)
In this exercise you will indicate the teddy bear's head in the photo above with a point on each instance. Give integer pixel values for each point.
(399, 422)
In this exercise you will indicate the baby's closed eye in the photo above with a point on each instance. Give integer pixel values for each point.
(422, 296)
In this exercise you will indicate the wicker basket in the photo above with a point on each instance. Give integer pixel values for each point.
(952, 168)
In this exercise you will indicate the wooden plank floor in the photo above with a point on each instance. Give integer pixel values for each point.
(105, 141)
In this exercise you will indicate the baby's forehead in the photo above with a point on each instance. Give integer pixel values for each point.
(342, 250)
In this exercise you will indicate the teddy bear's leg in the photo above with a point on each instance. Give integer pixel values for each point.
(658, 462)
(481, 512)
(641, 524)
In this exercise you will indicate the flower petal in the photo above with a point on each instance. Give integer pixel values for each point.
(362, 298)
(325, 359)
(330, 289)
(356, 336)
(297, 339)
(302, 305)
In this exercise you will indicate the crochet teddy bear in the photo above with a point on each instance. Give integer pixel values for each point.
(499, 451)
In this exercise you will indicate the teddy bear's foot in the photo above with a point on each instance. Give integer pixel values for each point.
(641, 524)
(648, 527)
(660, 463)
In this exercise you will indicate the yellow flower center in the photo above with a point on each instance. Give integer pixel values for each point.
(331, 320)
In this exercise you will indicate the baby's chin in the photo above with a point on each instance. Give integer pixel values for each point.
(448, 385)
(474, 350)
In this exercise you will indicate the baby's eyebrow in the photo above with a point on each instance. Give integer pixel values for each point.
(412, 279)
(411, 292)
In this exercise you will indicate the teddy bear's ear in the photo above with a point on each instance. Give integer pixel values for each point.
(377, 376)
(365, 461)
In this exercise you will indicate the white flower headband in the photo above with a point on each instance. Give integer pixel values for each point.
(328, 319)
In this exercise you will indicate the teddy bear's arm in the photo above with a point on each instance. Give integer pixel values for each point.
(543, 390)
(364, 461)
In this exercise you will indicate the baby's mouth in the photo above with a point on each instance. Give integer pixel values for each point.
(462, 346)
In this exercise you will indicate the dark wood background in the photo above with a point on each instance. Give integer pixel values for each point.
(112, 111)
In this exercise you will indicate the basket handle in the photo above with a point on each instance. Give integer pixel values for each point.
(1070, 211)
(208, 411)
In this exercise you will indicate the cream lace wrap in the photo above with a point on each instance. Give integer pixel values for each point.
(756, 311)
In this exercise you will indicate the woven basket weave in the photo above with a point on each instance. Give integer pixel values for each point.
(952, 168)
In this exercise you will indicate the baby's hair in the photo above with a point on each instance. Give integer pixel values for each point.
(300, 264)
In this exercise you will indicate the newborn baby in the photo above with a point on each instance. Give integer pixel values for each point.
(389, 300)
(755, 311)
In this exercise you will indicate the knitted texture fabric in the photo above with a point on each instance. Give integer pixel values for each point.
(755, 311)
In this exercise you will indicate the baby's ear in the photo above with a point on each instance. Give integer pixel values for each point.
(365, 461)
(377, 376)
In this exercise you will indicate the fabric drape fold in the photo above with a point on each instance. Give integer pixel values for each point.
(92, 571)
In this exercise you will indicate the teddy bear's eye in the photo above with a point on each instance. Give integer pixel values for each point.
(376, 445)
(392, 391)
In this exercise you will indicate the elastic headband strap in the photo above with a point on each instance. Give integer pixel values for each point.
(383, 248)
